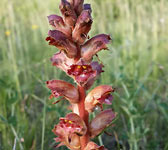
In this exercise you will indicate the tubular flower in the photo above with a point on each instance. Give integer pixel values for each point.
(62, 88)
(68, 13)
(98, 68)
(60, 40)
(61, 61)
(94, 45)
(82, 27)
(81, 73)
(94, 146)
(101, 121)
(98, 96)
(69, 131)
(58, 23)
(77, 5)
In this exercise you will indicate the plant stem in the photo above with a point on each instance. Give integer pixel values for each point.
(84, 115)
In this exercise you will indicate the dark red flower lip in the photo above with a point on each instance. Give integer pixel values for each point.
(81, 73)
(79, 69)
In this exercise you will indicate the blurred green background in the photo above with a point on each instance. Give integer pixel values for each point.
(136, 65)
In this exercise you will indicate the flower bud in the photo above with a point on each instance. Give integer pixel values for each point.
(62, 42)
(98, 96)
(68, 13)
(87, 7)
(94, 146)
(94, 45)
(77, 5)
(65, 89)
(58, 23)
(101, 121)
(82, 27)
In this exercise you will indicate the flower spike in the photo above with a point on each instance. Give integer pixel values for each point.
(76, 51)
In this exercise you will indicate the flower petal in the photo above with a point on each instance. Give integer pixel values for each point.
(81, 73)
(94, 45)
(58, 23)
(72, 141)
(61, 61)
(87, 7)
(68, 13)
(65, 89)
(98, 68)
(98, 96)
(77, 5)
(62, 42)
(94, 146)
(101, 121)
(76, 118)
(82, 27)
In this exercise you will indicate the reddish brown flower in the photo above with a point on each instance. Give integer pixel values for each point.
(68, 13)
(69, 131)
(77, 5)
(94, 45)
(99, 69)
(75, 59)
(61, 61)
(62, 88)
(62, 42)
(81, 73)
(94, 146)
(82, 27)
(101, 121)
(98, 96)
(58, 23)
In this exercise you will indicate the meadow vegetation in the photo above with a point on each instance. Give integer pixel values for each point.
(136, 65)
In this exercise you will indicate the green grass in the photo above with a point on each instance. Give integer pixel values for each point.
(136, 65)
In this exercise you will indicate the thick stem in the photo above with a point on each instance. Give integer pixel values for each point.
(84, 115)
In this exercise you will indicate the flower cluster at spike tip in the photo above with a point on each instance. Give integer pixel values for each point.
(75, 58)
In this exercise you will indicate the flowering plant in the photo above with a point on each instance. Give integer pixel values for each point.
(70, 36)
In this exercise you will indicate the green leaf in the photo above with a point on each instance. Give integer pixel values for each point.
(3, 119)
(12, 120)
(164, 106)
